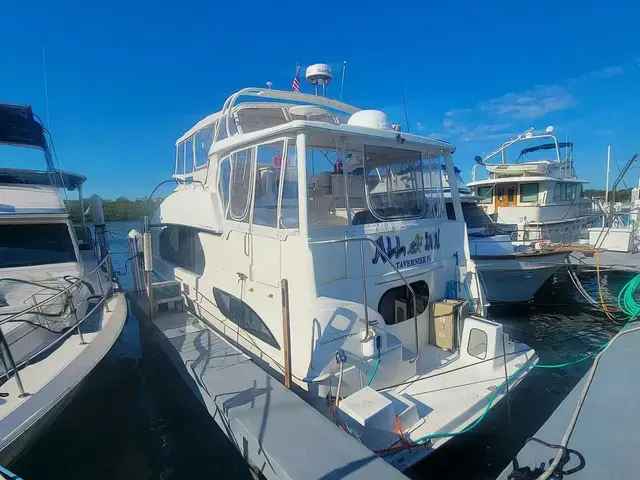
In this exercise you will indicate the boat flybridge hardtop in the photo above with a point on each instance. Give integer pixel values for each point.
(287, 186)
(499, 260)
(59, 311)
(537, 199)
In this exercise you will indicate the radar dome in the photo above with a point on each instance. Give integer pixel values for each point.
(319, 74)
(370, 119)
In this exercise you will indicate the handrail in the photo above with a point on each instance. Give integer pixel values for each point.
(364, 283)
(102, 300)
(60, 292)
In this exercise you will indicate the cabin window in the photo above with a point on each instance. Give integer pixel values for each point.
(289, 212)
(529, 192)
(487, 195)
(224, 182)
(180, 158)
(432, 168)
(180, 246)
(240, 185)
(267, 182)
(394, 183)
(511, 194)
(203, 140)
(242, 315)
(326, 181)
(220, 129)
(474, 216)
(35, 244)
(564, 192)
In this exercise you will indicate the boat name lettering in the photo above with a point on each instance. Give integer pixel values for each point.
(428, 241)
(340, 337)
(413, 262)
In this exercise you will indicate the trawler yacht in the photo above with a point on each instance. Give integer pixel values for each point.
(288, 186)
(500, 261)
(59, 310)
(535, 199)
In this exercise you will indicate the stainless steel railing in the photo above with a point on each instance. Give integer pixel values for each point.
(361, 240)
(100, 300)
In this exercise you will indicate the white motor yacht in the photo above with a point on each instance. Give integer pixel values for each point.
(535, 199)
(500, 261)
(288, 186)
(60, 311)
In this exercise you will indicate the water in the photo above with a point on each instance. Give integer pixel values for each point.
(136, 419)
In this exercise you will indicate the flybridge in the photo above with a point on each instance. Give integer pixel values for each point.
(19, 127)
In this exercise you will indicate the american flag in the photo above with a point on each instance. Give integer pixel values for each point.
(296, 80)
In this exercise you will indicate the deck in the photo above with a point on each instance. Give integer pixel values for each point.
(275, 430)
(606, 433)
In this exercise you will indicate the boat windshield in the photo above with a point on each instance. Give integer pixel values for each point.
(35, 244)
(394, 182)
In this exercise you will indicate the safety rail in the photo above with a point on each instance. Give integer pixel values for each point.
(383, 254)
(78, 284)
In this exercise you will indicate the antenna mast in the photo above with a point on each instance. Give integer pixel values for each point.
(46, 90)
(404, 104)
(344, 69)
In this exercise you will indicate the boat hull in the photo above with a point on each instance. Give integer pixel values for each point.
(29, 419)
(517, 279)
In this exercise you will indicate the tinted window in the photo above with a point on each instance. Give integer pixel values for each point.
(181, 247)
(35, 244)
(242, 315)
(529, 192)
(487, 194)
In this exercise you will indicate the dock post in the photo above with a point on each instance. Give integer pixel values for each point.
(148, 264)
(284, 289)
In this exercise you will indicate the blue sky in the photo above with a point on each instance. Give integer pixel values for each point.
(127, 78)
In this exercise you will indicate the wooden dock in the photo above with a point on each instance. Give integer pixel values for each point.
(276, 431)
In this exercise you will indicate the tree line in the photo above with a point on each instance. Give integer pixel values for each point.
(623, 195)
(119, 209)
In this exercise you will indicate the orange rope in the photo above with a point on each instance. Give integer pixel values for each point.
(602, 302)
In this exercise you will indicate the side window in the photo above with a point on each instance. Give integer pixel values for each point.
(224, 181)
(487, 195)
(203, 141)
(240, 185)
(289, 207)
(180, 158)
(267, 183)
(529, 192)
(242, 315)
(181, 247)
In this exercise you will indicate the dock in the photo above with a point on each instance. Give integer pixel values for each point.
(277, 432)
(608, 261)
(606, 432)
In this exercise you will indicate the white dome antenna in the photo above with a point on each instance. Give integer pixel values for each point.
(319, 74)
(549, 129)
(370, 119)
